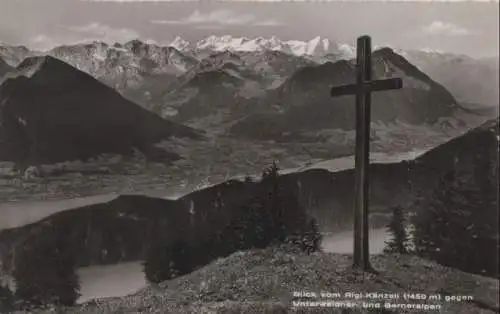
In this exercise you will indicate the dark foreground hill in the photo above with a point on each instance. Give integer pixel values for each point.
(118, 230)
(478, 147)
(53, 112)
(306, 104)
(264, 281)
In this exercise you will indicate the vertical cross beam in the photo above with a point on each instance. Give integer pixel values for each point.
(363, 102)
(366, 69)
(362, 89)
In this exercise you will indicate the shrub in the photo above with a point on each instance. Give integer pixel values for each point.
(157, 266)
(457, 227)
(166, 261)
(6, 299)
(273, 215)
(397, 228)
(45, 270)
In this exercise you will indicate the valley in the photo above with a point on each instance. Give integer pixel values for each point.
(211, 161)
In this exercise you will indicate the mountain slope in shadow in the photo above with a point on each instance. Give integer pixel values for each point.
(52, 112)
(306, 104)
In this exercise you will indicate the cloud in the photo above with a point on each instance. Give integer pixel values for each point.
(447, 29)
(268, 23)
(98, 31)
(219, 18)
(208, 27)
(44, 42)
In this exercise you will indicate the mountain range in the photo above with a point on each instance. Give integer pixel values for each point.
(303, 102)
(316, 47)
(257, 89)
(146, 72)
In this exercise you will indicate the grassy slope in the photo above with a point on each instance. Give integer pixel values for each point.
(260, 280)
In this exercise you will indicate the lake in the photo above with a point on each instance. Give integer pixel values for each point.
(126, 278)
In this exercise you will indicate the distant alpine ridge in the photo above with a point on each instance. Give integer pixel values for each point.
(123, 65)
(316, 47)
(236, 83)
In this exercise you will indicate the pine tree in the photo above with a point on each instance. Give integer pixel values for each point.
(248, 179)
(6, 299)
(158, 263)
(274, 202)
(292, 223)
(457, 228)
(203, 252)
(45, 270)
(252, 228)
(308, 239)
(273, 215)
(436, 226)
(183, 261)
(484, 226)
(397, 227)
(165, 260)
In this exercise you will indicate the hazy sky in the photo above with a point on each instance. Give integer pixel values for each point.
(461, 27)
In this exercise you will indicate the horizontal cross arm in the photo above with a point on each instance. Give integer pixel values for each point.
(386, 84)
(342, 90)
(372, 86)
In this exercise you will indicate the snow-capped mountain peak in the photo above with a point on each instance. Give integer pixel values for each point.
(179, 43)
(317, 46)
(314, 47)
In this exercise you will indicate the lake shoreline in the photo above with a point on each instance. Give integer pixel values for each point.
(119, 280)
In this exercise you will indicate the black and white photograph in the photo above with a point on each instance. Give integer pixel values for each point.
(231, 156)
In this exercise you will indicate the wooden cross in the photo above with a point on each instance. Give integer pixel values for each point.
(362, 89)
